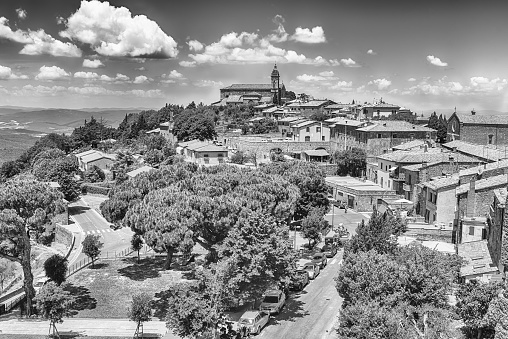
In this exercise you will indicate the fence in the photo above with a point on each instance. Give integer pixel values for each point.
(105, 255)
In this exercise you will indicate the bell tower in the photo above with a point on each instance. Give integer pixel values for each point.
(275, 77)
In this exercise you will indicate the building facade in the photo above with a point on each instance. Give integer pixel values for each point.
(478, 129)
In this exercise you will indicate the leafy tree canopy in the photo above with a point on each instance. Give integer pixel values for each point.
(352, 162)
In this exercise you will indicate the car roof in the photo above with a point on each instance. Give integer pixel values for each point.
(250, 314)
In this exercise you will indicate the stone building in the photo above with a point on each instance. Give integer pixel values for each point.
(478, 129)
(497, 230)
(256, 93)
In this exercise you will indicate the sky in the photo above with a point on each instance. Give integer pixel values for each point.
(423, 55)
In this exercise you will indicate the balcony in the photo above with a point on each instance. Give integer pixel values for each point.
(398, 176)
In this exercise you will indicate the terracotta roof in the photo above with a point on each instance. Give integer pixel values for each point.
(416, 156)
(314, 103)
(187, 143)
(140, 170)
(252, 94)
(337, 106)
(492, 182)
(413, 168)
(234, 98)
(290, 119)
(440, 183)
(485, 167)
(82, 154)
(306, 123)
(479, 151)
(343, 121)
(476, 119)
(96, 156)
(394, 126)
(210, 148)
(409, 145)
(383, 105)
(253, 87)
(477, 257)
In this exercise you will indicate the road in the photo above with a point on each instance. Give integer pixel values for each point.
(91, 222)
(349, 219)
(310, 314)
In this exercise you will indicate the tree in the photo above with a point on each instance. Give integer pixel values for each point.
(442, 129)
(473, 300)
(378, 234)
(352, 162)
(164, 220)
(53, 303)
(190, 125)
(497, 316)
(239, 158)
(94, 174)
(9, 169)
(136, 243)
(290, 95)
(92, 247)
(56, 268)
(26, 206)
(140, 311)
(313, 226)
(433, 121)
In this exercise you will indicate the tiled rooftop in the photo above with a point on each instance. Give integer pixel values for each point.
(476, 119)
(492, 182)
(409, 145)
(477, 257)
(480, 151)
(394, 126)
(253, 87)
(485, 168)
(314, 103)
(440, 183)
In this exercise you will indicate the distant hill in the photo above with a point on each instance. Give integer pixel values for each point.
(59, 120)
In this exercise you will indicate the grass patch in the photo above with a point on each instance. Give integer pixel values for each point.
(106, 291)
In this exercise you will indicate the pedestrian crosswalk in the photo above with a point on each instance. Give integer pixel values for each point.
(97, 231)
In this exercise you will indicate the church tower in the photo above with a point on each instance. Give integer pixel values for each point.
(275, 77)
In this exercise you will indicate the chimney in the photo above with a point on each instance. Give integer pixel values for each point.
(470, 206)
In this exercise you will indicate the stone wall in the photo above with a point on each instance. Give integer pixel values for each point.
(481, 203)
(262, 148)
(480, 134)
(63, 236)
(430, 234)
(495, 236)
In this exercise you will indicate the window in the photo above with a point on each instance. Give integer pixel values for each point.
(206, 158)
(307, 138)
(318, 129)
(307, 129)
(323, 138)
(490, 138)
(394, 136)
(389, 183)
(379, 135)
(471, 230)
(412, 136)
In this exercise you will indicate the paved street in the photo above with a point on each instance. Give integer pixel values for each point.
(91, 222)
(349, 219)
(311, 313)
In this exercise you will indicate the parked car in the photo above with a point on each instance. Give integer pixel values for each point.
(320, 259)
(254, 321)
(299, 280)
(273, 301)
(312, 270)
(329, 250)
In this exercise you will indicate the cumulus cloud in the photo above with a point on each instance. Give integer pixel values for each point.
(174, 74)
(50, 73)
(6, 74)
(248, 48)
(310, 78)
(142, 79)
(436, 61)
(380, 83)
(371, 52)
(39, 91)
(87, 63)
(349, 62)
(309, 36)
(327, 74)
(21, 13)
(279, 34)
(140, 69)
(114, 31)
(38, 42)
(411, 79)
(118, 79)
(208, 83)
(101, 91)
(195, 45)
(86, 75)
(478, 85)
(345, 86)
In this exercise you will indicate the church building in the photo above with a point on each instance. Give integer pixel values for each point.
(274, 92)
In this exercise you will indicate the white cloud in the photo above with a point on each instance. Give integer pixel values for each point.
(248, 48)
(52, 73)
(411, 79)
(195, 45)
(310, 78)
(174, 74)
(349, 62)
(113, 31)
(118, 79)
(39, 91)
(345, 86)
(21, 13)
(478, 85)
(279, 34)
(141, 79)
(327, 74)
(38, 42)
(310, 36)
(86, 75)
(140, 69)
(371, 52)
(334, 62)
(185, 63)
(6, 74)
(208, 83)
(436, 61)
(380, 83)
(92, 63)
(101, 91)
